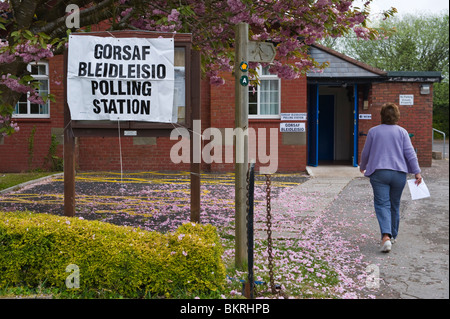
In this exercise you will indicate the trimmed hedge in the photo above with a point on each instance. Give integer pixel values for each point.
(35, 249)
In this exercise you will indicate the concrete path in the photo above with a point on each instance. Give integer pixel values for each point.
(418, 265)
(322, 188)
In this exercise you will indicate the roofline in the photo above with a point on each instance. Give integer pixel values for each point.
(414, 76)
(350, 60)
(390, 76)
(348, 80)
(374, 79)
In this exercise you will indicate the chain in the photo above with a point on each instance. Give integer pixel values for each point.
(249, 292)
(269, 233)
(247, 187)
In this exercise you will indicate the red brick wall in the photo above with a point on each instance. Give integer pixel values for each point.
(14, 152)
(291, 158)
(218, 112)
(100, 154)
(416, 119)
(104, 153)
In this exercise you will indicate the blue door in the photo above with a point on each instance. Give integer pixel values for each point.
(326, 127)
(313, 127)
(321, 126)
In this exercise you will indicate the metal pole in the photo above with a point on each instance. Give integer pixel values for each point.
(432, 142)
(250, 229)
(241, 146)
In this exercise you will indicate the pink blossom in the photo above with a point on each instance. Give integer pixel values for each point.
(33, 52)
(173, 16)
(35, 98)
(236, 6)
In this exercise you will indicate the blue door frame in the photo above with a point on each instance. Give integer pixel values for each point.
(313, 125)
(355, 125)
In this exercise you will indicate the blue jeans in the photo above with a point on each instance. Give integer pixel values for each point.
(387, 188)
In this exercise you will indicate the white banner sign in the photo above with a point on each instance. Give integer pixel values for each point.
(127, 79)
(292, 127)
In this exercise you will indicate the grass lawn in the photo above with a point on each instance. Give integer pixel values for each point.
(8, 180)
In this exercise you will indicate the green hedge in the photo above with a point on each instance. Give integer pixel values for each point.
(35, 249)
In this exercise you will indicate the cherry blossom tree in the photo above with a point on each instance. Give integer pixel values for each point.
(36, 29)
(31, 30)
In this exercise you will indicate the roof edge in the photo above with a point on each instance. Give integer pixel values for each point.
(415, 76)
(350, 60)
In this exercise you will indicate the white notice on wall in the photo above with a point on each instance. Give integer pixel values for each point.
(126, 79)
(293, 116)
(406, 99)
(365, 116)
(292, 127)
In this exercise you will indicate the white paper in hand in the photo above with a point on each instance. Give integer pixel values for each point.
(418, 192)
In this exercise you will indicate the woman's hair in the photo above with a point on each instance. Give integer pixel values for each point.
(390, 114)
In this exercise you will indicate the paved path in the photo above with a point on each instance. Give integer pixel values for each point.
(323, 188)
(418, 265)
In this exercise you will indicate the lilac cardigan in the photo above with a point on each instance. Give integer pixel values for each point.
(388, 147)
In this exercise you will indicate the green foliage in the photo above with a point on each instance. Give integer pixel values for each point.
(35, 250)
(440, 108)
(8, 180)
(56, 162)
(420, 43)
(31, 146)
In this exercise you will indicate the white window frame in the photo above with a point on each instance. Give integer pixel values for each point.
(258, 92)
(37, 78)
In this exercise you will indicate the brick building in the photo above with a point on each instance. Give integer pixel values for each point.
(336, 108)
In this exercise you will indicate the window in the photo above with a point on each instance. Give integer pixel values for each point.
(26, 109)
(264, 100)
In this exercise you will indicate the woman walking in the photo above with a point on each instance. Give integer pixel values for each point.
(388, 156)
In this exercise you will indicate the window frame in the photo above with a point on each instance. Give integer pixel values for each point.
(37, 77)
(266, 77)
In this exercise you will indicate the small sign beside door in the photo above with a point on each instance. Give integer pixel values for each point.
(292, 127)
(293, 116)
(365, 116)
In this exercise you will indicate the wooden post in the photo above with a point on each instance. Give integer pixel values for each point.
(241, 145)
(69, 154)
(196, 114)
(69, 172)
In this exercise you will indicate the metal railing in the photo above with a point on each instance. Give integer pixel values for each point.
(432, 143)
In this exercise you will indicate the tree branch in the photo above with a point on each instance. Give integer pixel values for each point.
(87, 17)
(24, 13)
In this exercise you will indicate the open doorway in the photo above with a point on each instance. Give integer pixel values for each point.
(332, 125)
